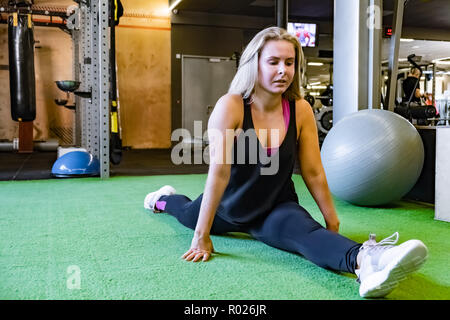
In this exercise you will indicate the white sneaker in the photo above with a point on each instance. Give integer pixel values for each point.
(151, 198)
(384, 264)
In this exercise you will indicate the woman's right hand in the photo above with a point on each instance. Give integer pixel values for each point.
(201, 248)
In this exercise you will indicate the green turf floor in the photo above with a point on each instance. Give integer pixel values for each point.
(92, 239)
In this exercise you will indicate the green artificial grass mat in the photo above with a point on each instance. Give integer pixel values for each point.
(56, 232)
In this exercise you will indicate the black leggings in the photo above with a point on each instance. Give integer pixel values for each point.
(288, 227)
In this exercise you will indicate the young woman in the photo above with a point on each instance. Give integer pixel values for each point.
(239, 196)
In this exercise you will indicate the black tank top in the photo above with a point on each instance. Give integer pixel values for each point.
(409, 88)
(258, 182)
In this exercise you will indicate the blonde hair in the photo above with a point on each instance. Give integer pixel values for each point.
(415, 71)
(247, 74)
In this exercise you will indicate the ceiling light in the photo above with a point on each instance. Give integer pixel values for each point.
(315, 64)
(442, 62)
(440, 59)
(262, 3)
(314, 83)
(174, 4)
(406, 40)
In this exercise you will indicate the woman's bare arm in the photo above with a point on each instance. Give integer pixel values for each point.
(221, 126)
(311, 164)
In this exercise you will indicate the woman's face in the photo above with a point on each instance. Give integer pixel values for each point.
(276, 66)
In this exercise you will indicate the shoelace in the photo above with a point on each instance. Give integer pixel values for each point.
(376, 246)
(387, 241)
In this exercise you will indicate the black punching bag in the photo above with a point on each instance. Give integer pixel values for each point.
(21, 67)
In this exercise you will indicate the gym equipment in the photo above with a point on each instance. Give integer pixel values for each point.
(415, 111)
(76, 164)
(326, 96)
(324, 119)
(22, 81)
(21, 67)
(21, 75)
(70, 107)
(372, 157)
(324, 115)
(68, 85)
(61, 102)
(50, 145)
(62, 151)
(115, 144)
(88, 26)
(410, 110)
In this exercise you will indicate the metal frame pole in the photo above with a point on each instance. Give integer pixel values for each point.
(393, 52)
(100, 88)
(374, 72)
(104, 79)
(282, 13)
(433, 88)
(85, 75)
(76, 71)
(94, 45)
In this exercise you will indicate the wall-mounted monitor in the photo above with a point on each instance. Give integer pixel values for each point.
(306, 33)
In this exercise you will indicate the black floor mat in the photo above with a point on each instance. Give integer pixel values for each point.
(137, 162)
(26, 166)
(38, 165)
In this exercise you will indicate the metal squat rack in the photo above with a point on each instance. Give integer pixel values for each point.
(89, 26)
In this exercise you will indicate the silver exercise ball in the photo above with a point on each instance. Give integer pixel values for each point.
(372, 157)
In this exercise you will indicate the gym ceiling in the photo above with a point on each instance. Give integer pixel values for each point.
(433, 14)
